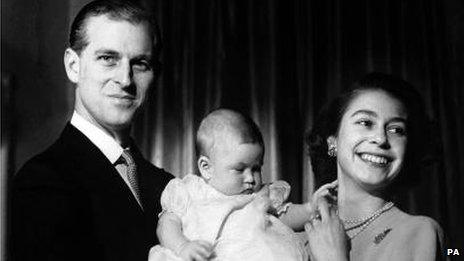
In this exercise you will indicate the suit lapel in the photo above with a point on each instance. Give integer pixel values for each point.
(96, 171)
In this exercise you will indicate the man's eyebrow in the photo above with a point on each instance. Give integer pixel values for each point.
(106, 51)
(143, 57)
(368, 112)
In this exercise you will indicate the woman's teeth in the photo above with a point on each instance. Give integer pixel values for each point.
(374, 159)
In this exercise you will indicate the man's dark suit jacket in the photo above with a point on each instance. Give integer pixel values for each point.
(70, 203)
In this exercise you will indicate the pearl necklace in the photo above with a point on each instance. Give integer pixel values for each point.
(363, 223)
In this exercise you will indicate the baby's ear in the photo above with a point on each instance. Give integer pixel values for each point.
(204, 166)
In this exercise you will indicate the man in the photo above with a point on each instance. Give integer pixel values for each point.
(91, 195)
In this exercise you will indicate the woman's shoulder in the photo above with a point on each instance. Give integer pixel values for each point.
(417, 221)
(418, 228)
(418, 236)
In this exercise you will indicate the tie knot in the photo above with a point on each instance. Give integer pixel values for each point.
(127, 156)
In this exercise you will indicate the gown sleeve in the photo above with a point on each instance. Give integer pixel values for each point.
(175, 198)
(278, 193)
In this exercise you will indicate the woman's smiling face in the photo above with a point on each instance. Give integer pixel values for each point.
(371, 140)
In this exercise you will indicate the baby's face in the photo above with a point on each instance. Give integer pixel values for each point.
(236, 167)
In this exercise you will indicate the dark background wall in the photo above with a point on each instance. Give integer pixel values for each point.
(279, 61)
(33, 39)
(36, 97)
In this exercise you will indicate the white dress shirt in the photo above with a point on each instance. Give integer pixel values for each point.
(107, 145)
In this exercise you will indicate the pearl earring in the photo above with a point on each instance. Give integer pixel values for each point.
(332, 151)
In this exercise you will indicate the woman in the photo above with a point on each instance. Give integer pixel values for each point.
(372, 138)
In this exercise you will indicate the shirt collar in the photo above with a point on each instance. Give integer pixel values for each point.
(110, 148)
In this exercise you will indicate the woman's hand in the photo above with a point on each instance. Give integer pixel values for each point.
(196, 250)
(327, 191)
(326, 234)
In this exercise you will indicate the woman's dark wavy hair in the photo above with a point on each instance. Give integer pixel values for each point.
(328, 122)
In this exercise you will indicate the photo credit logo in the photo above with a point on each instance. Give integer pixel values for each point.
(452, 252)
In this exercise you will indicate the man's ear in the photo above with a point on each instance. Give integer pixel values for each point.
(71, 64)
(204, 166)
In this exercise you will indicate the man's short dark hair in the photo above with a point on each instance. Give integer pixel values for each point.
(115, 10)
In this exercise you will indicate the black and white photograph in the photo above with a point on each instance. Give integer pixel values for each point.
(226, 130)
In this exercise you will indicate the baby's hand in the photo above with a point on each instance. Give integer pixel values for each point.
(195, 250)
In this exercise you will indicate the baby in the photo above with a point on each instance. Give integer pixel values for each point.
(227, 214)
